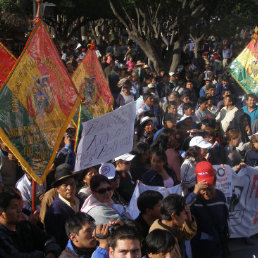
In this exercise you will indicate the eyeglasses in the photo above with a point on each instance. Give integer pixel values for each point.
(104, 190)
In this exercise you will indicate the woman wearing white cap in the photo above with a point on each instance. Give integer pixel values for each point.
(197, 152)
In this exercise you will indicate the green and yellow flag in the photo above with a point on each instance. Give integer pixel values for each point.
(244, 68)
(37, 102)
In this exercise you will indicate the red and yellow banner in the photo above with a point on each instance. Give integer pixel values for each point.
(244, 68)
(37, 103)
(7, 61)
(91, 83)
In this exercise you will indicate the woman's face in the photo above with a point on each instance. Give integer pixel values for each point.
(157, 163)
(103, 193)
(91, 173)
(148, 127)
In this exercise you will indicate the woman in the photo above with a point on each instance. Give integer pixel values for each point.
(141, 162)
(251, 157)
(99, 204)
(159, 174)
(168, 142)
(145, 131)
(234, 158)
(86, 176)
(198, 151)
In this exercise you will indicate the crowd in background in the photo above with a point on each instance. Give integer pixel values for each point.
(186, 121)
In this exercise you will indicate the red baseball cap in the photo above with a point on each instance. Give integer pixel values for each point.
(205, 171)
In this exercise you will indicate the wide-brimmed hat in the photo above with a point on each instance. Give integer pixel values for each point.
(62, 172)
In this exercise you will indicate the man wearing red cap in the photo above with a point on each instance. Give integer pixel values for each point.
(211, 214)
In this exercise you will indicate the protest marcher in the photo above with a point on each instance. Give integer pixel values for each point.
(210, 107)
(125, 96)
(227, 113)
(251, 108)
(147, 105)
(24, 185)
(148, 203)
(202, 111)
(20, 238)
(81, 229)
(222, 88)
(251, 157)
(99, 204)
(234, 158)
(86, 176)
(159, 244)
(185, 99)
(176, 218)
(189, 87)
(141, 161)
(159, 174)
(211, 213)
(124, 241)
(224, 94)
(169, 143)
(196, 152)
(127, 185)
(145, 131)
(64, 205)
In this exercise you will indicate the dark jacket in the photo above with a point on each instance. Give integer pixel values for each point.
(27, 241)
(206, 242)
(55, 219)
(251, 158)
(151, 177)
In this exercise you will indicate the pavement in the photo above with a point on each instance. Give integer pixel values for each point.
(239, 249)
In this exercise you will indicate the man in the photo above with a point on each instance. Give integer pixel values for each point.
(227, 113)
(125, 96)
(125, 242)
(185, 98)
(21, 238)
(224, 94)
(202, 111)
(190, 88)
(164, 87)
(147, 105)
(220, 87)
(251, 108)
(169, 121)
(64, 205)
(176, 218)
(126, 187)
(189, 111)
(211, 213)
(82, 232)
(148, 203)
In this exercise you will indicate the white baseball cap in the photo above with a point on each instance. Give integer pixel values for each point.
(199, 142)
(108, 170)
(125, 157)
(145, 119)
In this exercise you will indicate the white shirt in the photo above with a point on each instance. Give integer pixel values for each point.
(24, 185)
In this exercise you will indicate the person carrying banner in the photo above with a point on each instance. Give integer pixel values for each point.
(211, 214)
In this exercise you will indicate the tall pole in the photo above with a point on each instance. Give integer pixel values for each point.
(38, 14)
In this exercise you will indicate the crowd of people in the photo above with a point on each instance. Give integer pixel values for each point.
(186, 121)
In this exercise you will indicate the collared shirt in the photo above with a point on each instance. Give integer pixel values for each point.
(74, 206)
(253, 115)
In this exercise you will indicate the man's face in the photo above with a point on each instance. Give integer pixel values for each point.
(203, 106)
(12, 213)
(189, 85)
(123, 165)
(250, 102)
(189, 111)
(67, 189)
(224, 83)
(227, 102)
(208, 193)
(172, 110)
(84, 238)
(211, 91)
(126, 248)
(186, 99)
(149, 101)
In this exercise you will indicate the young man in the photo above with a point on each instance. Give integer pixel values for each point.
(21, 238)
(126, 187)
(227, 113)
(82, 232)
(125, 242)
(211, 213)
(185, 98)
(64, 205)
(177, 219)
(147, 105)
(202, 111)
(149, 203)
(159, 244)
(251, 107)
(189, 111)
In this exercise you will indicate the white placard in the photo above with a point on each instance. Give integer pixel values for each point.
(106, 137)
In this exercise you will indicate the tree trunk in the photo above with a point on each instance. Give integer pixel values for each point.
(176, 55)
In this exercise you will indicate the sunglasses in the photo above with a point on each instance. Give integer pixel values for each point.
(104, 190)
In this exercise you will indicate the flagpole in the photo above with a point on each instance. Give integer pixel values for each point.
(34, 183)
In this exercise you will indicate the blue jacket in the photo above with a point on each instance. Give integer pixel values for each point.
(152, 178)
(55, 219)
